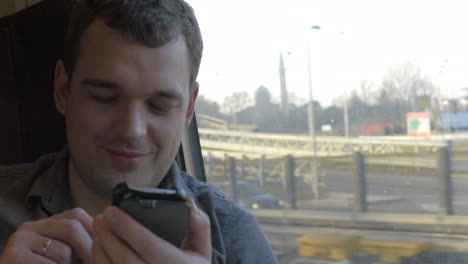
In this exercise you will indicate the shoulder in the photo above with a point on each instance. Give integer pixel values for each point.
(237, 227)
(15, 183)
(17, 179)
(228, 214)
(17, 170)
(209, 195)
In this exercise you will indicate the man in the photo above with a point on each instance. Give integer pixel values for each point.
(127, 88)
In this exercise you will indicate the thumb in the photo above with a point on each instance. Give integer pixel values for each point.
(198, 237)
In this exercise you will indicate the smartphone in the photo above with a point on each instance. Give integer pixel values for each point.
(165, 212)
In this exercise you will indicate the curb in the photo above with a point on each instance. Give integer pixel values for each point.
(365, 221)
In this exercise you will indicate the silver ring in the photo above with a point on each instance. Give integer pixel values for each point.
(46, 246)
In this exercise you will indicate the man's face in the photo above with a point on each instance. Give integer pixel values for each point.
(126, 108)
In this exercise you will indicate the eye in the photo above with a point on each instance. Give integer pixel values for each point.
(161, 108)
(104, 99)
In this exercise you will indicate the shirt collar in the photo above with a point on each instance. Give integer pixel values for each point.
(173, 180)
(51, 189)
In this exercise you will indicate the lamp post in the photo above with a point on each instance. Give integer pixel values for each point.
(311, 122)
(346, 116)
(444, 114)
(345, 105)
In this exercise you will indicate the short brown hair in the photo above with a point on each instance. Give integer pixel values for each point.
(152, 23)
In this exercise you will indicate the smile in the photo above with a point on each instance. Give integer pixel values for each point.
(126, 159)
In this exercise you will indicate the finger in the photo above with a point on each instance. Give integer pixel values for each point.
(115, 248)
(19, 250)
(24, 257)
(72, 233)
(98, 256)
(55, 250)
(78, 214)
(68, 231)
(148, 245)
(198, 237)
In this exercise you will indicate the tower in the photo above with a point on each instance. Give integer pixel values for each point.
(284, 91)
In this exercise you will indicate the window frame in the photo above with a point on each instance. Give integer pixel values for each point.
(189, 157)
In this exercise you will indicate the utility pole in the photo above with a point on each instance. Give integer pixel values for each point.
(311, 123)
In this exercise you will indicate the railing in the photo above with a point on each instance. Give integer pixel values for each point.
(250, 143)
(285, 175)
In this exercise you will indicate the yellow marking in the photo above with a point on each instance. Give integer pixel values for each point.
(334, 247)
(395, 251)
(341, 247)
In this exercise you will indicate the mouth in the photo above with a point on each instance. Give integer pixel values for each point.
(125, 158)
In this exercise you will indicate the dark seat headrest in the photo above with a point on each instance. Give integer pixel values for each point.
(31, 41)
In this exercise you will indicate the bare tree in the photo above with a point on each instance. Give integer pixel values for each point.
(366, 91)
(405, 83)
(234, 103)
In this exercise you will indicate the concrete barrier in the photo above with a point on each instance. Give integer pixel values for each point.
(367, 221)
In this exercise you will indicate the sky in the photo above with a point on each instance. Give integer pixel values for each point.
(357, 40)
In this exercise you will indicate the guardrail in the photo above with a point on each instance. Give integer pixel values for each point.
(301, 145)
(289, 171)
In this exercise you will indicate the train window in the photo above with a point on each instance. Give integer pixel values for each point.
(341, 125)
(8, 7)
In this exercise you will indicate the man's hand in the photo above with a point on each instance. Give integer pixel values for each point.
(121, 239)
(52, 240)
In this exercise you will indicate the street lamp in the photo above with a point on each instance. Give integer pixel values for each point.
(346, 116)
(311, 120)
(345, 105)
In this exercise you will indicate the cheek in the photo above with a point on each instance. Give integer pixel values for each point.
(84, 121)
(167, 131)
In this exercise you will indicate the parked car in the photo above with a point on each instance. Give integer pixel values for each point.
(249, 195)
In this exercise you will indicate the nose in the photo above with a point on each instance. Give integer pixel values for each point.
(130, 122)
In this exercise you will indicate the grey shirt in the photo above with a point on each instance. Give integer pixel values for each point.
(38, 190)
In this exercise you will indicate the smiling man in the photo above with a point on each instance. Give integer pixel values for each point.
(127, 88)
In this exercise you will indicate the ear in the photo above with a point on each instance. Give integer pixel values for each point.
(61, 84)
(191, 107)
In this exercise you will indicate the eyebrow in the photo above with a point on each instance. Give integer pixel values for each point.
(101, 83)
(171, 95)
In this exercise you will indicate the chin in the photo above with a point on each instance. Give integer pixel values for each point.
(104, 188)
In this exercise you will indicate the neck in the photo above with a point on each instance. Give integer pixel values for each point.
(84, 197)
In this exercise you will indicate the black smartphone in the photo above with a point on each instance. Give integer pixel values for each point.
(164, 212)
